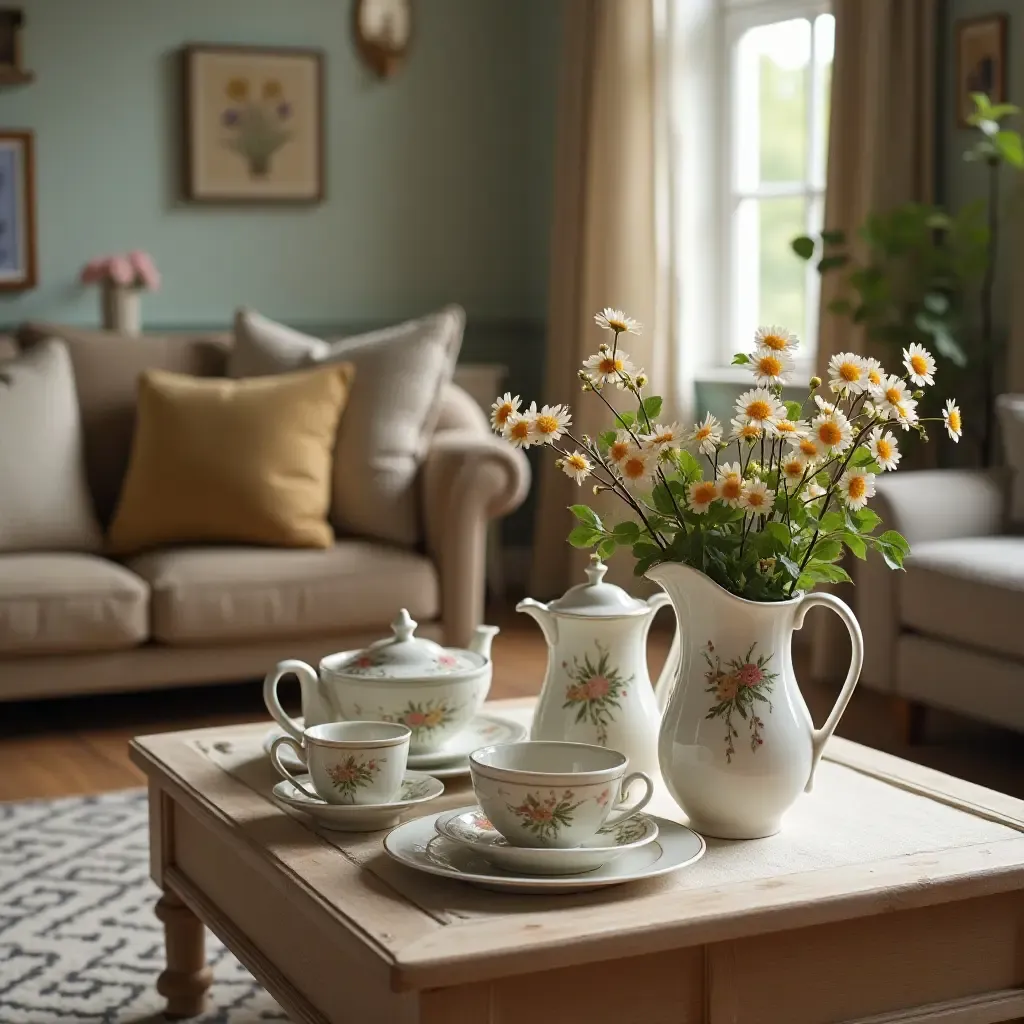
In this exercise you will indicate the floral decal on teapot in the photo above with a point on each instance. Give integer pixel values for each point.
(423, 716)
(739, 686)
(546, 817)
(351, 775)
(595, 690)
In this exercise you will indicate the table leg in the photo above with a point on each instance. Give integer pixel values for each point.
(186, 978)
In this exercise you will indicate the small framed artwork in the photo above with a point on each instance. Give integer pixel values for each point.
(17, 212)
(980, 62)
(253, 124)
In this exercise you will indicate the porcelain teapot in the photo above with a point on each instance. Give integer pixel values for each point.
(597, 689)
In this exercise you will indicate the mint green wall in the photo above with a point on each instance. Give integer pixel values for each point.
(438, 180)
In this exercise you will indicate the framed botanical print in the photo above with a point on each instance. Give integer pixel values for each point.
(253, 124)
(17, 212)
(980, 62)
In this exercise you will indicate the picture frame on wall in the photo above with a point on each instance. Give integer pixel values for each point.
(980, 62)
(253, 124)
(17, 211)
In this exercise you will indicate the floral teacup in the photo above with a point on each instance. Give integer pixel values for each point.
(350, 762)
(552, 795)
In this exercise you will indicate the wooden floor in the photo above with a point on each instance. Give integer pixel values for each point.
(79, 745)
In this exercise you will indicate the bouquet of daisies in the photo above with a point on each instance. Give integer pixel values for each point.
(767, 509)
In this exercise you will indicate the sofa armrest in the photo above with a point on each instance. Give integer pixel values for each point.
(469, 477)
(927, 505)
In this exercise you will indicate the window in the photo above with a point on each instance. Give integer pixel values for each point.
(775, 99)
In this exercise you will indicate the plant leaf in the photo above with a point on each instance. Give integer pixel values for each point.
(827, 263)
(740, 359)
(652, 407)
(793, 410)
(607, 547)
(856, 544)
(583, 536)
(585, 514)
(627, 532)
(803, 246)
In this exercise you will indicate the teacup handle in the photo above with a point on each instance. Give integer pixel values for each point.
(628, 781)
(308, 679)
(275, 760)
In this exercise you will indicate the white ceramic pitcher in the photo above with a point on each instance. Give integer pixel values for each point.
(737, 744)
(597, 689)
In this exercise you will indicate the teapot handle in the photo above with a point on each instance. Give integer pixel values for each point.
(819, 737)
(670, 671)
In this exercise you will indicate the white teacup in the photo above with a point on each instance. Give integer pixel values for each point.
(350, 762)
(552, 795)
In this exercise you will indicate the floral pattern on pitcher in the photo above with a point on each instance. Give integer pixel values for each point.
(595, 691)
(738, 688)
(546, 817)
(351, 775)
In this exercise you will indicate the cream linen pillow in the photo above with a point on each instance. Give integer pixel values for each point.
(245, 462)
(44, 498)
(400, 374)
(1011, 418)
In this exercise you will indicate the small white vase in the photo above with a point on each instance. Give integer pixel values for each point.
(737, 744)
(121, 308)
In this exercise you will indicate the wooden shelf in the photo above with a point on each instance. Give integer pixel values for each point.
(15, 76)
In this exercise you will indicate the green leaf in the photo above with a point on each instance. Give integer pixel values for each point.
(831, 521)
(652, 407)
(584, 536)
(663, 500)
(689, 466)
(607, 547)
(827, 550)
(1010, 149)
(646, 549)
(740, 359)
(855, 544)
(643, 564)
(861, 457)
(793, 410)
(827, 263)
(585, 514)
(626, 419)
(897, 540)
(803, 246)
(790, 566)
(833, 236)
(866, 519)
(627, 532)
(779, 533)
(606, 439)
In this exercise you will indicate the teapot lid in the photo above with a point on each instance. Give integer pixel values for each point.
(404, 656)
(596, 598)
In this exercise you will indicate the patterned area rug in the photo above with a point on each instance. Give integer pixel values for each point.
(78, 938)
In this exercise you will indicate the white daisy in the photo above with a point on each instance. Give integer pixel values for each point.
(620, 447)
(847, 373)
(615, 320)
(777, 339)
(890, 393)
(814, 490)
(810, 448)
(502, 408)
(576, 466)
(637, 467)
(792, 469)
(604, 367)
(744, 430)
(855, 487)
(771, 367)
(663, 436)
(756, 497)
(550, 423)
(790, 429)
(822, 405)
(876, 372)
(951, 418)
(905, 413)
(730, 483)
(832, 430)
(707, 435)
(700, 494)
(883, 447)
(760, 406)
(920, 364)
(518, 430)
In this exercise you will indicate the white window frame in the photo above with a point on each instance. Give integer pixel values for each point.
(738, 17)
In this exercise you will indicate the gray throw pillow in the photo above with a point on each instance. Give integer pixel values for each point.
(400, 373)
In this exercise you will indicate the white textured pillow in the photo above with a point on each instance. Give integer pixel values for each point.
(44, 498)
(395, 400)
(1011, 419)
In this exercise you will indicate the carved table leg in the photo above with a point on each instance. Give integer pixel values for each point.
(185, 981)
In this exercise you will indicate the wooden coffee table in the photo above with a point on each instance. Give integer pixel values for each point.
(894, 895)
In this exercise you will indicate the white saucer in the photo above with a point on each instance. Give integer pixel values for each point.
(469, 827)
(448, 763)
(417, 788)
(417, 845)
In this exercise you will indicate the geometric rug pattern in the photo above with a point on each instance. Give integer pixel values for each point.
(79, 941)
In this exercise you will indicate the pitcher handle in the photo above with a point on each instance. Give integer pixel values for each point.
(819, 737)
(284, 668)
(670, 672)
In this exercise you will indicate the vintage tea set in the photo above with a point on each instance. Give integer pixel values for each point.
(381, 728)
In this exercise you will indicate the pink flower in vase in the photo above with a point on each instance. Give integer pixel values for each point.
(121, 271)
(94, 271)
(145, 269)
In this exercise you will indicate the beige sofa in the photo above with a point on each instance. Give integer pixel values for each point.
(79, 623)
(949, 632)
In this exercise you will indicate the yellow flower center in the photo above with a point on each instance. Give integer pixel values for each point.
(874, 376)
(785, 426)
(884, 449)
(618, 451)
(503, 412)
(755, 499)
(808, 447)
(610, 364)
(919, 364)
(759, 409)
(520, 431)
(829, 433)
(618, 325)
(577, 461)
(775, 342)
(704, 493)
(856, 487)
(794, 469)
(954, 420)
(769, 366)
(546, 424)
(750, 430)
(894, 395)
(902, 412)
(701, 435)
(633, 468)
(850, 372)
(731, 488)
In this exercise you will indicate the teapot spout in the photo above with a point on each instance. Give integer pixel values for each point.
(539, 612)
(481, 642)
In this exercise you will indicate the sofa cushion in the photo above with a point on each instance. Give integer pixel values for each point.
(217, 594)
(401, 373)
(44, 497)
(107, 366)
(968, 591)
(1010, 409)
(69, 604)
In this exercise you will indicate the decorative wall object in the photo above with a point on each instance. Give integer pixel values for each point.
(122, 279)
(383, 29)
(11, 71)
(253, 124)
(980, 62)
(17, 212)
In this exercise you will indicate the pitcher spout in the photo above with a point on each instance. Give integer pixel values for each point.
(542, 616)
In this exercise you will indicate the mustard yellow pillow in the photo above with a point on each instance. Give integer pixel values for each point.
(237, 461)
